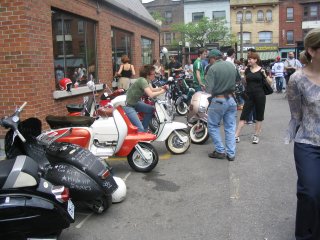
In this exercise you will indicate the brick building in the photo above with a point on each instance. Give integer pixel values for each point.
(44, 40)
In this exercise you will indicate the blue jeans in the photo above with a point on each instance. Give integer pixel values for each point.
(279, 83)
(226, 110)
(307, 159)
(141, 107)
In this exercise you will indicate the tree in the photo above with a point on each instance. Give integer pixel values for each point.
(205, 31)
(157, 17)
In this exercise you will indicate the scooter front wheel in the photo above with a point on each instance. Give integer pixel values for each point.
(182, 108)
(175, 145)
(199, 133)
(139, 163)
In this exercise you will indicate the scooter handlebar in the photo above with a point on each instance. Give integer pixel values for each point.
(22, 107)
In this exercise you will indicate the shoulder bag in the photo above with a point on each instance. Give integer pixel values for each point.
(266, 85)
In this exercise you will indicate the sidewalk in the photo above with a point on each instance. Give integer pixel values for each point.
(2, 153)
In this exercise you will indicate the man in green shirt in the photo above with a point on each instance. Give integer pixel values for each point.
(198, 71)
(221, 81)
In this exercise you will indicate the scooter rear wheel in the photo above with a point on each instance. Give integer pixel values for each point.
(100, 204)
(138, 163)
(175, 145)
(199, 133)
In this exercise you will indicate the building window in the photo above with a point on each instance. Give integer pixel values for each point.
(290, 37)
(146, 50)
(74, 55)
(265, 37)
(289, 14)
(168, 38)
(121, 45)
(248, 16)
(269, 16)
(246, 37)
(239, 17)
(168, 17)
(313, 11)
(260, 16)
(197, 16)
(219, 15)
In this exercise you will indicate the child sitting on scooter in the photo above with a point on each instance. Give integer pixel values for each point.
(136, 91)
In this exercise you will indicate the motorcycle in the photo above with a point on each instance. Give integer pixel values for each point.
(180, 93)
(111, 134)
(89, 178)
(197, 117)
(173, 133)
(30, 206)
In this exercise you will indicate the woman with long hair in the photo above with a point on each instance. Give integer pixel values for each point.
(126, 72)
(304, 128)
(255, 97)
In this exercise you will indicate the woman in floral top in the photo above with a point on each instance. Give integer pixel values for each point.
(304, 129)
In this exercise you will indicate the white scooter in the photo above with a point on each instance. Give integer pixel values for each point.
(173, 133)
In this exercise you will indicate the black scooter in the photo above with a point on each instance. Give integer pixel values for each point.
(30, 206)
(88, 177)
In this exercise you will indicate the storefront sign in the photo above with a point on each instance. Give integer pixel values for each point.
(267, 48)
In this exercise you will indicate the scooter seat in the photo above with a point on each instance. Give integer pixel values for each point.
(72, 108)
(69, 121)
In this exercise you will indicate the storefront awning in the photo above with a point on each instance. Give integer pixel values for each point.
(263, 55)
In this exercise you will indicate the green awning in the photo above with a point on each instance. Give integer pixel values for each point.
(268, 55)
(263, 55)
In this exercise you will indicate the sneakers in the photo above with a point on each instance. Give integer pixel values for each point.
(217, 155)
(230, 159)
(237, 139)
(255, 139)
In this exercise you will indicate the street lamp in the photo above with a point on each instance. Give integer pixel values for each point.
(241, 33)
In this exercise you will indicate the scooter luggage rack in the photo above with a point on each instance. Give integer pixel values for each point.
(48, 138)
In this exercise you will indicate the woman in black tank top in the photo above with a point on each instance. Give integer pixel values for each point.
(125, 72)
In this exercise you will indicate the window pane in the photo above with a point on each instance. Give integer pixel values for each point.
(239, 16)
(289, 37)
(74, 47)
(168, 16)
(248, 16)
(246, 37)
(265, 37)
(121, 45)
(313, 11)
(218, 14)
(269, 15)
(197, 16)
(260, 15)
(289, 13)
(146, 51)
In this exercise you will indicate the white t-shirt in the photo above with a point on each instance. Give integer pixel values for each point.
(278, 69)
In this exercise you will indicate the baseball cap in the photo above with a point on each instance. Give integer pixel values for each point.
(215, 53)
(278, 58)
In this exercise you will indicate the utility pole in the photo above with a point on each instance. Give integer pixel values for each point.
(241, 33)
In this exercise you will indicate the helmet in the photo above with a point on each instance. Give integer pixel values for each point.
(65, 84)
(91, 85)
(170, 79)
(120, 194)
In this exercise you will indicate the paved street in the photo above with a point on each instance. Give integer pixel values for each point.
(192, 197)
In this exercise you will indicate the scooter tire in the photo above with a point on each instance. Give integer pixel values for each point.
(199, 137)
(12, 149)
(140, 165)
(154, 124)
(182, 109)
(174, 144)
(101, 204)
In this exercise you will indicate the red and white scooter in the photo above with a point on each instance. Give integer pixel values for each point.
(111, 134)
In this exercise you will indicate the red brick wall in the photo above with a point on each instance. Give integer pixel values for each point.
(295, 25)
(26, 53)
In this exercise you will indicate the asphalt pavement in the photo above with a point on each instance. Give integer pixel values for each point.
(193, 197)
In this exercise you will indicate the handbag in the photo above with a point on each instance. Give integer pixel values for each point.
(267, 89)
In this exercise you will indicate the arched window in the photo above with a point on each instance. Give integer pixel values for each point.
(248, 16)
(269, 15)
(239, 16)
(260, 15)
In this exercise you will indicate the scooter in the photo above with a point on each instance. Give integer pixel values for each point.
(197, 117)
(173, 133)
(88, 177)
(111, 134)
(30, 206)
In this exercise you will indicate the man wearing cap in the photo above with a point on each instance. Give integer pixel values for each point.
(220, 83)
(278, 71)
